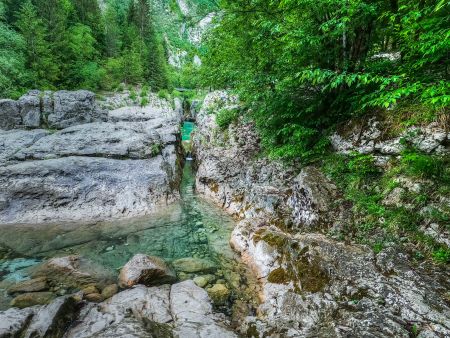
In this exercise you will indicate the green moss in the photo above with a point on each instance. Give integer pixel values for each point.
(279, 276)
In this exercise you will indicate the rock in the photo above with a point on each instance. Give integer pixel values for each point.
(94, 297)
(84, 188)
(89, 289)
(200, 281)
(192, 313)
(72, 108)
(13, 321)
(52, 320)
(13, 141)
(9, 114)
(141, 303)
(219, 293)
(32, 285)
(191, 265)
(101, 139)
(147, 270)
(109, 291)
(33, 298)
(30, 109)
(73, 272)
(312, 195)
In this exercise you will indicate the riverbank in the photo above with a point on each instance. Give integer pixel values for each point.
(295, 233)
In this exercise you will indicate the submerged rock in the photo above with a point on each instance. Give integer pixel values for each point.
(191, 265)
(32, 298)
(219, 293)
(73, 272)
(109, 291)
(32, 285)
(147, 270)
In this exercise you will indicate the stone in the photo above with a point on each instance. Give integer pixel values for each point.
(219, 293)
(109, 291)
(147, 270)
(102, 139)
(30, 109)
(89, 289)
(71, 108)
(94, 297)
(12, 141)
(140, 302)
(192, 313)
(13, 321)
(73, 272)
(68, 189)
(32, 285)
(191, 265)
(200, 281)
(9, 114)
(32, 298)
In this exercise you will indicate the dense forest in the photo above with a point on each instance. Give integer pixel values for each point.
(303, 66)
(72, 44)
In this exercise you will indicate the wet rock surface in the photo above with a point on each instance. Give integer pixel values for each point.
(312, 285)
(147, 270)
(100, 164)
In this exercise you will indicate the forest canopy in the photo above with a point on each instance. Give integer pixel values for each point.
(56, 44)
(302, 66)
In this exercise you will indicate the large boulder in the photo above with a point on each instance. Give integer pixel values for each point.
(101, 139)
(83, 188)
(12, 141)
(49, 321)
(9, 114)
(147, 270)
(72, 272)
(193, 314)
(30, 109)
(71, 108)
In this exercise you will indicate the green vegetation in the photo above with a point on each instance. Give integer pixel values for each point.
(388, 206)
(73, 44)
(303, 66)
(226, 116)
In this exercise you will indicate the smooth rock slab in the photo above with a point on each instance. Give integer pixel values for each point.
(147, 270)
(82, 188)
(99, 139)
(13, 321)
(13, 141)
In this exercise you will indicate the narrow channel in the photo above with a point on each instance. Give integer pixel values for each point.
(189, 228)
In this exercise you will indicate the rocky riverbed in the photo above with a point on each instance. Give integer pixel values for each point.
(83, 205)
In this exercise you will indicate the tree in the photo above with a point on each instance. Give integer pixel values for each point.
(40, 62)
(13, 73)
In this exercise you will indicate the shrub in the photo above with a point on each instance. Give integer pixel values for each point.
(144, 101)
(164, 94)
(226, 116)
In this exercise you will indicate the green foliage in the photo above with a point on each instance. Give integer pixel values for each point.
(226, 116)
(144, 101)
(425, 166)
(164, 94)
(73, 44)
(378, 221)
(308, 66)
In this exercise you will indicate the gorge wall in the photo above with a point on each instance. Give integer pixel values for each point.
(314, 282)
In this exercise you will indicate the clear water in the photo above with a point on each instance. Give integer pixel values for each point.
(188, 128)
(191, 227)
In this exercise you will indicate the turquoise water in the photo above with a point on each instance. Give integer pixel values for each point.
(187, 129)
(190, 227)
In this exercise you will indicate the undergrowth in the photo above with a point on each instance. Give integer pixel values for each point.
(388, 210)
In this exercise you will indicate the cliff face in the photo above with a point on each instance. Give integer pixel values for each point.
(292, 223)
